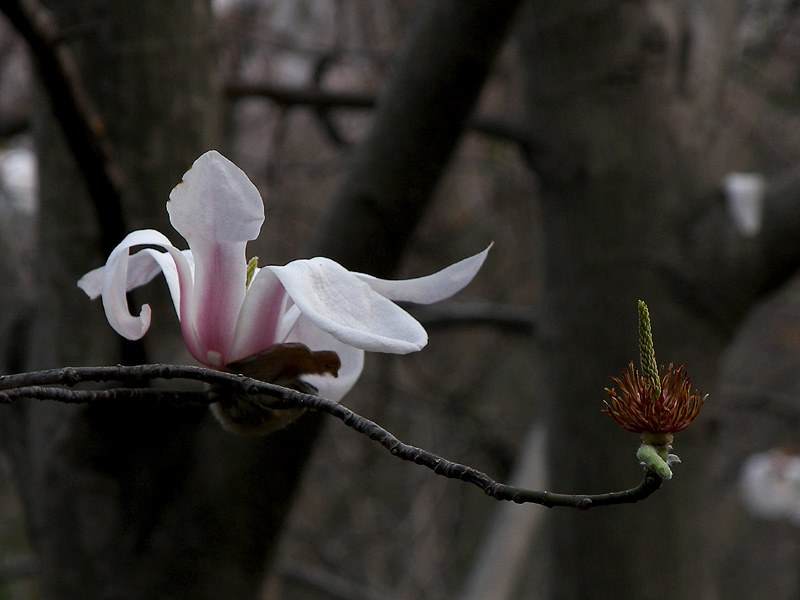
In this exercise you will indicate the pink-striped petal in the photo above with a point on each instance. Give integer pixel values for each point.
(217, 209)
(260, 316)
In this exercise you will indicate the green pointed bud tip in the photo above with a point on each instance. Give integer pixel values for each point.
(653, 461)
(251, 270)
(647, 353)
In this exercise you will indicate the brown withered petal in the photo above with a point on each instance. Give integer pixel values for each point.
(636, 407)
(282, 364)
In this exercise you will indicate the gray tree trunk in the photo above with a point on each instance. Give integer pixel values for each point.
(135, 501)
(418, 122)
(621, 100)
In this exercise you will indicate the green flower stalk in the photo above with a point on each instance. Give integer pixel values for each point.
(647, 353)
(655, 403)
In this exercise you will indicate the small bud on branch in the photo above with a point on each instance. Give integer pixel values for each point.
(654, 402)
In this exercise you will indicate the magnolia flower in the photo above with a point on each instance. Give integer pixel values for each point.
(230, 310)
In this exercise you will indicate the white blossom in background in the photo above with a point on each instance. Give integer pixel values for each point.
(744, 200)
(18, 178)
(769, 485)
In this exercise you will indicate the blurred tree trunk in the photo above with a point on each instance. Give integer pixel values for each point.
(135, 501)
(419, 119)
(621, 100)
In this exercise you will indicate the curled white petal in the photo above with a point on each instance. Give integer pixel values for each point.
(143, 266)
(115, 285)
(118, 277)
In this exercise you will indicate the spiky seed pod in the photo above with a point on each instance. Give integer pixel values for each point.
(639, 408)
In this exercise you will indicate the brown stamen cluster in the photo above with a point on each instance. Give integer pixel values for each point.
(638, 408)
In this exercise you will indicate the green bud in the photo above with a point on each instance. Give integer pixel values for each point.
(656, 458)
(647, 353)
(251, 270)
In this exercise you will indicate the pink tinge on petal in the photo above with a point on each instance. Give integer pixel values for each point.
(217, 209)
(260, 317)
(220, 274)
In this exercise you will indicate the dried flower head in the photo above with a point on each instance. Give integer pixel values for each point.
(640, 408)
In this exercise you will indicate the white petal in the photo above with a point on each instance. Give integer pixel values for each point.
(92, 282)
(332, 388)
(338, 302)
(290, 316)
(116, 278)
(259, 317)
(216, 200)
(431, 288)
(143, 266)
(217, 209)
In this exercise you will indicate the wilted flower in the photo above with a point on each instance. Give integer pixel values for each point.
(641, 408)
(311, 319)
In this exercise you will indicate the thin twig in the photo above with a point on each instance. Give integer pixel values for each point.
(69, 396)
(38, 384)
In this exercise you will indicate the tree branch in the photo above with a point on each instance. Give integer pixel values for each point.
(322, 101)
(39, 385)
